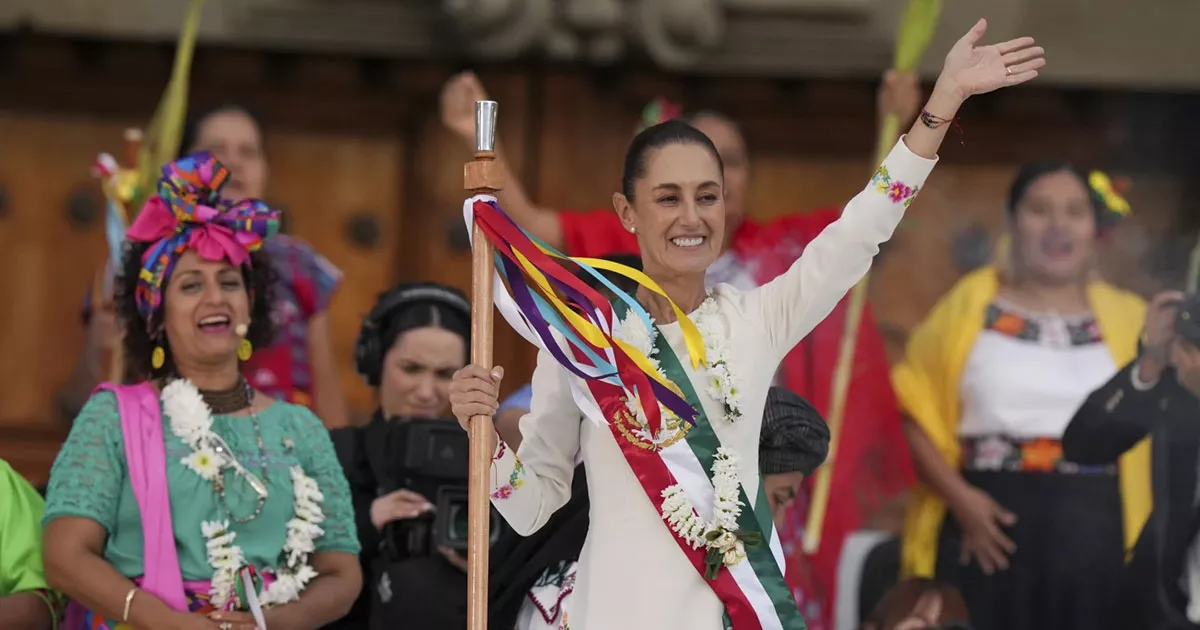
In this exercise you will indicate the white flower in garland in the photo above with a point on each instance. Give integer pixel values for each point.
(722, 385)
(224, 557)
(191, 421)
(302, 532)
(726, 544)
(204, 462)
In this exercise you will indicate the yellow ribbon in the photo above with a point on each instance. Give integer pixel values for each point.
(691, 334)
(1103, 186)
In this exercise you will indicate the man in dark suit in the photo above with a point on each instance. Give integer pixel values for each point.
(1158, 395)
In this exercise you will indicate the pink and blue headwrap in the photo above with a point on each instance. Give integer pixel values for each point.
(189, 213)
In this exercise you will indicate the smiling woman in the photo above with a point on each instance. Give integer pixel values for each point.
(679, 422)
(685, 195)
(155, 530)
(203, 331)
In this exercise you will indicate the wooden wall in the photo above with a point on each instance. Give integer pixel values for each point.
(357, 143)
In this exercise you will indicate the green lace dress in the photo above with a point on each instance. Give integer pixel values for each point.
(90, 479)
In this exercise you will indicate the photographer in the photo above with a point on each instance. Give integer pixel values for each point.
(1158, 395)
(413, 341)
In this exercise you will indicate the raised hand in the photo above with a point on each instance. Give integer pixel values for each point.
(974, 69)
(458, 104)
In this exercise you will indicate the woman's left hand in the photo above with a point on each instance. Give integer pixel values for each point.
(234, 620)
(972, 69)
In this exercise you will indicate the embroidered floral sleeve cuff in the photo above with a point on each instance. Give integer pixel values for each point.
(902, 174)
(508, 473)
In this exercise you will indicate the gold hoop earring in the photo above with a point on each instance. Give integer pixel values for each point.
(245, 349)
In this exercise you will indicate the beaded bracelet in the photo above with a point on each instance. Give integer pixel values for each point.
(933, 121)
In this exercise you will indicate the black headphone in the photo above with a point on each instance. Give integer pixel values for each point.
(369, 350)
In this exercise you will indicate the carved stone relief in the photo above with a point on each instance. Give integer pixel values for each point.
(1113, 43)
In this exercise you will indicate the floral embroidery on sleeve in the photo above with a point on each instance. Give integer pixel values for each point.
(515, 479)
(896, 190)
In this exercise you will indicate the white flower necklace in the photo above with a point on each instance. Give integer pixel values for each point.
(726, 544)
(722, 385)
(191, 421)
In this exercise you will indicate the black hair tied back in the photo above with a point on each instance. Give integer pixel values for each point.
(656, 137)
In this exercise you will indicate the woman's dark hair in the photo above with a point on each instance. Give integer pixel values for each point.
(191, 129)
(1031, 172)
(656, 137)
(428, 313)
(404, 308)
(138, 342)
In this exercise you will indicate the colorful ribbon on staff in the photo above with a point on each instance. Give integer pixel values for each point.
(189, 213)
(551, 298)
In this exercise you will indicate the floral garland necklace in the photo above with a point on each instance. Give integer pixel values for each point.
(191, 421)
(722, 386)
(726, 544)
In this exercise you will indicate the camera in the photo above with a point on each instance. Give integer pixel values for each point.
(1187, 318)
(433, 459)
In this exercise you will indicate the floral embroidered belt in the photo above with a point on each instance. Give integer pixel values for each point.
(1001, 453)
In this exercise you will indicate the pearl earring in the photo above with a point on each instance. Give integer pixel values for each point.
(632, 230)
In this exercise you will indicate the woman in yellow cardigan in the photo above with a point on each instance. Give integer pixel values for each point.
(988, 384)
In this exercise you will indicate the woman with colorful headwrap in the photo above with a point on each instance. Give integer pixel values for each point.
(672, 404)
(988, 384)
(191, 500)
(298, 364)
(870, 468)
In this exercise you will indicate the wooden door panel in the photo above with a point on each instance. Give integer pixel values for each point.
(332, 187)
(50, 262)
(46, 162)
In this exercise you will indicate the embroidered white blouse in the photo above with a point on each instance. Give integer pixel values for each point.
(631, 573)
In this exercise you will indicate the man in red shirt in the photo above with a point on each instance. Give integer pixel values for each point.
(872, 460)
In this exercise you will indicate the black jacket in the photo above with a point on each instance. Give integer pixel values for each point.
(1114, 419)
(423, 593)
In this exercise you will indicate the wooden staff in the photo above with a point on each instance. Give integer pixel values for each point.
(481, 176)
(916, 29)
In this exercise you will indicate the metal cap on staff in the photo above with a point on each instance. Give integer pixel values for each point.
(485, 125)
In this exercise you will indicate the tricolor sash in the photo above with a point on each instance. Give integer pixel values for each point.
(578, 332)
